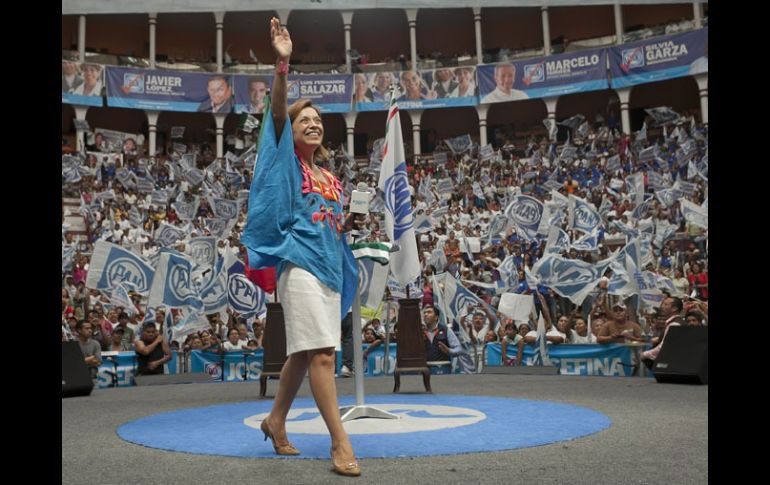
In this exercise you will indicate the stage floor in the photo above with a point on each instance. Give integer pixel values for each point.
(658, 434)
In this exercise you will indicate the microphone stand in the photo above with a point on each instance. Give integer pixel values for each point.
(114, 374)
(359, 410)
(246, 354)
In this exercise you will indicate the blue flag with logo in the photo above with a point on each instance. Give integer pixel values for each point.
(112, 264)
(173, 285)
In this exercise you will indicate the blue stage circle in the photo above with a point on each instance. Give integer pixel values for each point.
(506, 424)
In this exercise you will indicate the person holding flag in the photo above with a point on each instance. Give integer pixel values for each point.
(295, 223)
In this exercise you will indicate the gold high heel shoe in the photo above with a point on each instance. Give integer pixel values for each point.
(287, 449)
(351, 469)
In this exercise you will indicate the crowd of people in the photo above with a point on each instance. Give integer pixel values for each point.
(125, 198)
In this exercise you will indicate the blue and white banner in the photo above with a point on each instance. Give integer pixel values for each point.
(659, 58)
(570, 278)
(123, 365)
(244, 296)
(574, 359)
(186, 210)
(394, 186)
(558, 241)
(195, 176)
(582, 215)
(235, 365)
(223, 208)
(372, 277)
(172, 285)
(428, 88)
(588, 242)
(525, 212)
(542, 77)
(397, 290)
(169, 90)
(166, 234)
(191, 323)
(694, 214)
(81, 83)
(203, 250)
(330, 92)
(455, 298)
(111, 264)
(121, 298)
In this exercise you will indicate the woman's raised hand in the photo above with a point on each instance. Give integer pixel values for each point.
(281, 40)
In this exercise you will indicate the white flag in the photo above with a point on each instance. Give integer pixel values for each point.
(394, 184)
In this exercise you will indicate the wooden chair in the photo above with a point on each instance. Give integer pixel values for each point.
(273, 345)
(410, 351)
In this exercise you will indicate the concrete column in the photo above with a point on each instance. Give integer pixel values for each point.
(220, 120)
(411, 15)
(347, 20)
(477, 25)
(550, 107)
(482, 110)
(152, 123)
(624, 94)
(618, 23)
(703, 89)
(152, 21)
(80, 114)
(416, 114)
(82, 38)
(219, 18)
(350, 124)
(697, 13)
(546, 30)
(283, 16)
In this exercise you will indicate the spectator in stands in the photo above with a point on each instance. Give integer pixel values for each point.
(505, 75)
(152, 351)
(127, 335)
(361, 92)
(513, 339)
(619, 329)
(580, 334)
(257, 91)
(92, 350)
(118, 344)
(695, 318)
(233, 342)
(699, 282)
(441, 343)
(220, 98)
(70, 77)
(92, 81)
(370, 338)
(552, 334)
(671, 310)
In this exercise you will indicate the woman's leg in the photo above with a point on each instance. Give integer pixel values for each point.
(325, 393)
(292, 373)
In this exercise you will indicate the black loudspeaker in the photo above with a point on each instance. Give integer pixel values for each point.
(75, 375)
(683, 359)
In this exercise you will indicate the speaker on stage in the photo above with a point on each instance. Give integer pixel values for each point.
(75, 375)
(683, 359)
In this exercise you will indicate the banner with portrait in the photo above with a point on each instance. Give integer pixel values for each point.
(542, 77)
(330, 92)
(169, 90)
(659, 58)
(82, 83)
(430, 88)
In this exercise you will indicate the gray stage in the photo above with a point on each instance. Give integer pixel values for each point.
(659, 434)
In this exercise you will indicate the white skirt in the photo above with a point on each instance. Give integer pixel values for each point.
(311, 311)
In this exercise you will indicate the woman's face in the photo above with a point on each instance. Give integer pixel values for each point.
(360, 85)
(562, 323)
(308, 128)
(580, 326)
(233, 336)
(369, 336)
